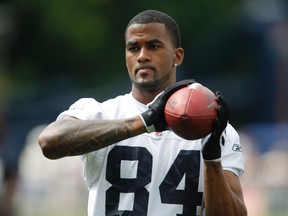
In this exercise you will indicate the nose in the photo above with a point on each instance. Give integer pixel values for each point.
(143, 55)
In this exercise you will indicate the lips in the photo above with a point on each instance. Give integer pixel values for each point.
(144, 69)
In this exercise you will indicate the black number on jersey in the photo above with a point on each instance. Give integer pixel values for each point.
(186, 165)
(124, 185)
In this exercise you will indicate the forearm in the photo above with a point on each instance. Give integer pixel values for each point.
(70, 137)
(220, 198)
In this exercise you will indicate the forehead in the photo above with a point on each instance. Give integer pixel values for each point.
(146, 31)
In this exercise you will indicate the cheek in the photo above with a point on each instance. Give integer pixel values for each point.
(129, 67)
(129, 60)
(168, 63)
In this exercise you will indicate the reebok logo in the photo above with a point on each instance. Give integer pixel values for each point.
(236, 147)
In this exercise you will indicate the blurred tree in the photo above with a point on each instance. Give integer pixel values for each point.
(84, 39)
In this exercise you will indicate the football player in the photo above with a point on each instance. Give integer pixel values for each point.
(133, 163)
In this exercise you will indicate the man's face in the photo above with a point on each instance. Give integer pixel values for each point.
(150, 56)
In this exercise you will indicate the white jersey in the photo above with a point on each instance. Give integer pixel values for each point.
(156, 174)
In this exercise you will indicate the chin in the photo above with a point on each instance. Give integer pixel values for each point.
(146, 85)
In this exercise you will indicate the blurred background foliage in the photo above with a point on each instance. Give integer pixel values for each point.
(54, 47)
(82, 41)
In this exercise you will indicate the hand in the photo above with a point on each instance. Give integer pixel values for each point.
(211, 149)
(154, 118)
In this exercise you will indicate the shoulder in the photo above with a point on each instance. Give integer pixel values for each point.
(81, 109)
(232, 158)
(90, 108)
(231, 133)
(232, 139)
(84, 103)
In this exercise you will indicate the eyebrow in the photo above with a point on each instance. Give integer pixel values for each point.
(134, 43)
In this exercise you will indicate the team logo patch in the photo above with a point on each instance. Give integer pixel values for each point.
(236, 147)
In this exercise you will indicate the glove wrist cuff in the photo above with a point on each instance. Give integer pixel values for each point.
(150, 128)
(213, 160)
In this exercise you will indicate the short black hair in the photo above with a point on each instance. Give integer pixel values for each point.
(154, 16)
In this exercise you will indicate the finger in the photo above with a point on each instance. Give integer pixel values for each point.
(223, 104)
(217, 127)
(222, 117)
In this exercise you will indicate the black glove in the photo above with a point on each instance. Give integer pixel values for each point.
(211, 149)
(154, 116)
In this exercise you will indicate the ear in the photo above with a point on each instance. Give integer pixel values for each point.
(179, 56)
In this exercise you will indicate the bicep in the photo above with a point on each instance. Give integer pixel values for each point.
(234, 183)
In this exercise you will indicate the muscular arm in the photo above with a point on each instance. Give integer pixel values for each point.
(222, 192)
(70, 136)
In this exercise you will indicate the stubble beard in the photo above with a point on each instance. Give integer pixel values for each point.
(154, 85)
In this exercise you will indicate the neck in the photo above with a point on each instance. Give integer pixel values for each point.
(144, 97)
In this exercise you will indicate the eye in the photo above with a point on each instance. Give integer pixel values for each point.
(154, 46)
(132, 48)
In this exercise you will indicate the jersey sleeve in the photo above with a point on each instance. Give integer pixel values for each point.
(88, 109)
(232, 158)
(84, 109)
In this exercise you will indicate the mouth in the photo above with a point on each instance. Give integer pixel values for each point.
(147, 69)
